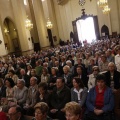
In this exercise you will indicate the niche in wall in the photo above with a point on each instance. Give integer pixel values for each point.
(11, 36)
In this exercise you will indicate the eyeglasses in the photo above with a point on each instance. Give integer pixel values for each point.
(95, 70)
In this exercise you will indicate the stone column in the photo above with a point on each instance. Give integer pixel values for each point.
(20, 17)
(41, 23)
(50, 13)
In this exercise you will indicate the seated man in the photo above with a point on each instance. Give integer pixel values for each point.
(32, 96)
(59, 97)
(112, 77)
(15, 113)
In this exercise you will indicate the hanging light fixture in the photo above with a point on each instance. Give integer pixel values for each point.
(28, 24)
(49, 24)
(106, 9)
(102, 3)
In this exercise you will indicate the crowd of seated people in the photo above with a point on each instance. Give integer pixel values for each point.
(88, 76)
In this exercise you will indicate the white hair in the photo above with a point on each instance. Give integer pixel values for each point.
(68, 61)
(21, 80)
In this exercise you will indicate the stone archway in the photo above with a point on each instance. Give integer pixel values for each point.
(11, 36)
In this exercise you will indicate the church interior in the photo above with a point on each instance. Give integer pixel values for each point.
(60, 59)
(17, 36)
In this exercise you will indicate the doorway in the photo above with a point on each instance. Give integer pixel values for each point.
(86, 30)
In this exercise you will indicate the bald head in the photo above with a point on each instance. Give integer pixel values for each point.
(14, 113)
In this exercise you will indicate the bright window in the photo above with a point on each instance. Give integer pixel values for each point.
(86, 30)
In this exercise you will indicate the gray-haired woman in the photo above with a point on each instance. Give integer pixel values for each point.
(20, 92)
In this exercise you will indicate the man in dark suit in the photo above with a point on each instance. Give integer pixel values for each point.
(112, 77)
(15, 113)
(60, 96)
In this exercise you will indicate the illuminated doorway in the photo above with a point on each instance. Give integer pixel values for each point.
(86, 30)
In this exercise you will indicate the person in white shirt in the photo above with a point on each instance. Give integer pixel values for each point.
(92, 77)
(78, 92)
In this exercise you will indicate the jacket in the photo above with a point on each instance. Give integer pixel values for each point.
(58, 101)
(83, 96)
(108, 100)
(116, 78)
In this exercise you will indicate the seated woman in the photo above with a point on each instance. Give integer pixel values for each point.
(41, 110)
(78, 92)
(53, 78)
(72, 110)
(29, 68)
(45, 76)
(12, 75)
(10, 88)
(21, 92)
(43, 95)
(100, 101)
(92, 77)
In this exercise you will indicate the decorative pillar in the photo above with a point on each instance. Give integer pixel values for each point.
(20, 17)
(41, 23)
(50, 13)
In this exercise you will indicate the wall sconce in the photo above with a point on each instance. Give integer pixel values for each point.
(28, 24)
(6, 31)
(49, 24)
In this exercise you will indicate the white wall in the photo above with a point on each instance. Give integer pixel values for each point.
(66, 13)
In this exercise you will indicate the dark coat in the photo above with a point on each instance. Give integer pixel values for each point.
(116, 78)
(3, 92)
(52, 80)
(69, 80)
(84, 79)
(58, 101)
(45, 97)
(26, 78)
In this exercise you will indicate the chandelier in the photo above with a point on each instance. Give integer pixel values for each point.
(102, 3)
(49, 24)
(106, 9)
(28, 24)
